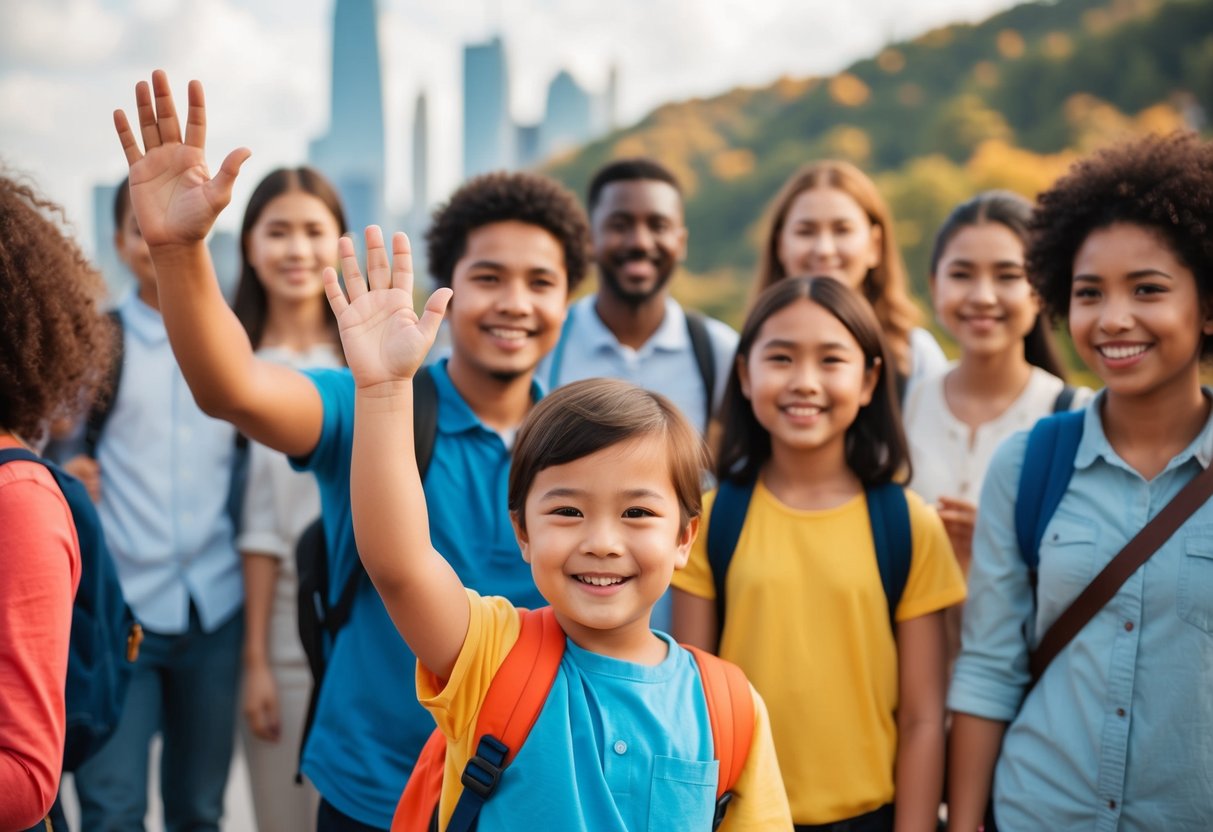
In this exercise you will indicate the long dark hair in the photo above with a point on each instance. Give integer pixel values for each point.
(1014, 213)
(252, 304)
(876, 447)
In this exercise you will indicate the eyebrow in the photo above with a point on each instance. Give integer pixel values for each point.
(1140, 274)
(493, 265)
(963, 261)
(785, 344)
(631, 493)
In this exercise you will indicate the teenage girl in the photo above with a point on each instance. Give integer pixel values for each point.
(1118, 732)
(1008, 375)
(829, 219)
(56, 346)
(856, 709)
(288, 237)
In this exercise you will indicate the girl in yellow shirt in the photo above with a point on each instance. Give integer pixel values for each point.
(857, 710)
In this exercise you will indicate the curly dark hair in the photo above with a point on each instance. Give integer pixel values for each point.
(501, 197)
(1161, 183)
(55, 341)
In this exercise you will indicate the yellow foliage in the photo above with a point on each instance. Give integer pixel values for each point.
(986, 73)
(848, 142)
(1058, 45)
(848, 90)
(891, 61)
(1097, 21)
(1010, 44)
(910, 94)
(936, 38)
(1161, 119)
(997, 164)
(789, 89)
(728, 165)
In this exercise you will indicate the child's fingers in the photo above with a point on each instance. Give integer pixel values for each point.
(130, 147)
(402, 263)
(378, 270)
(147, 116)
(332, 291)
(435, 308)
(195, 118)
(355, 284)
(166, 112)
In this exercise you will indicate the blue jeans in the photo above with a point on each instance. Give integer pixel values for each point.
(184, 686)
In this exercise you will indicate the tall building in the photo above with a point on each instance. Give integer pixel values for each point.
(105, 258)
(352, 152)
(568, 118)
(421, 156)
(488, 132)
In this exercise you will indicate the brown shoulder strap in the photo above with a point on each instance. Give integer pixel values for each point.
(1136, 552)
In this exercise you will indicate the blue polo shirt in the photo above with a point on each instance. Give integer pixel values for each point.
(369, 727)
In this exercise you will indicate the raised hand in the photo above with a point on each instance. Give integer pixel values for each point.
(174, 197)
(383, 337)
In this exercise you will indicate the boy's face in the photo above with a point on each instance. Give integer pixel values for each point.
(132, 251)
(602, 537)
(1136, 316)
(511, 291)
(639, 238)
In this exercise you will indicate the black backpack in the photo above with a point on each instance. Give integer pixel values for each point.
(318, 619)
(104, 636)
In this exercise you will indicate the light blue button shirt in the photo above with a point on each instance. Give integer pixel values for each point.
(664, 364)
(1118, 734)
(165, 477)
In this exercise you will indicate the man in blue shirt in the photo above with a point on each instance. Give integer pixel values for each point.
(631, 328)
(162, 474)
(512, 246)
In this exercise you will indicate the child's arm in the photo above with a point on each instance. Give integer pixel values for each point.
(918, 783)
(176, 202)
(973, 750)
(385, 343)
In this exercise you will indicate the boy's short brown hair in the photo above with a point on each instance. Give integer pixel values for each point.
(585, 417)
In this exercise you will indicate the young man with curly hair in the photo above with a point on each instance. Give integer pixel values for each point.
(512, 247)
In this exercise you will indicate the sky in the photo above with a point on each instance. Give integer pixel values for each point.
(65, 65)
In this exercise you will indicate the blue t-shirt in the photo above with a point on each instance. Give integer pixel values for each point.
(369, 727)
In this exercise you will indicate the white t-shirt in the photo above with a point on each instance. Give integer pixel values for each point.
(949, 458)
(279, 503)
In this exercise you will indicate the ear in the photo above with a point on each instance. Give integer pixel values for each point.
(743, 375)
(1206, 325)
(876, 249)
(521, 536)
(685, 539)
(683, 236)
(871, 376)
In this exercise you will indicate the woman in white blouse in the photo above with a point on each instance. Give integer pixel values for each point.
(1008, 375)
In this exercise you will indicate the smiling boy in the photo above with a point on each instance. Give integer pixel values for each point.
(511, 247)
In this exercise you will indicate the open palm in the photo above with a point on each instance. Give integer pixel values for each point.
(384, 339)
(174, 197)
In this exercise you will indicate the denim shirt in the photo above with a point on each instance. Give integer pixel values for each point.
(1118, 734)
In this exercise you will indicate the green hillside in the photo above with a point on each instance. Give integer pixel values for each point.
(1006, 103)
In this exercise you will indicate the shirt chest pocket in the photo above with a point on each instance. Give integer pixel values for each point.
(683, 794)
(1067, 557)
(1195, 591)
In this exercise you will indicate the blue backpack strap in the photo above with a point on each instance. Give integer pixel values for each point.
(889, 515)
(1048, 464)
(724, 530)
(1065, 399)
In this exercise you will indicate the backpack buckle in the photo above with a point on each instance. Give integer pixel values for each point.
(482, 772)
(134, 638)
(722, 806)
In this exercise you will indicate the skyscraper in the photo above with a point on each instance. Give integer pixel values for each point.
(488, 132)
(352, 152)
(421, 157)
(568, 119)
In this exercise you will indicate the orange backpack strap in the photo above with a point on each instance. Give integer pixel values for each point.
(731, 714)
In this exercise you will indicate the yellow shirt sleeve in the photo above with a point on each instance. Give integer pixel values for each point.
(935, 580)
(696, 577)
(759, 800)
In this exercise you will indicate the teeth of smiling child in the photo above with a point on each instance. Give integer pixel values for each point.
(510, 334)
(804, 411)
(1123, 352)
(597, 580)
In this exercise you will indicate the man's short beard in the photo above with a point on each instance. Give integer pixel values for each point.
(507, 376)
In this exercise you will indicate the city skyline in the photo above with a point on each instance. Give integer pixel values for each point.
(66, 64)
